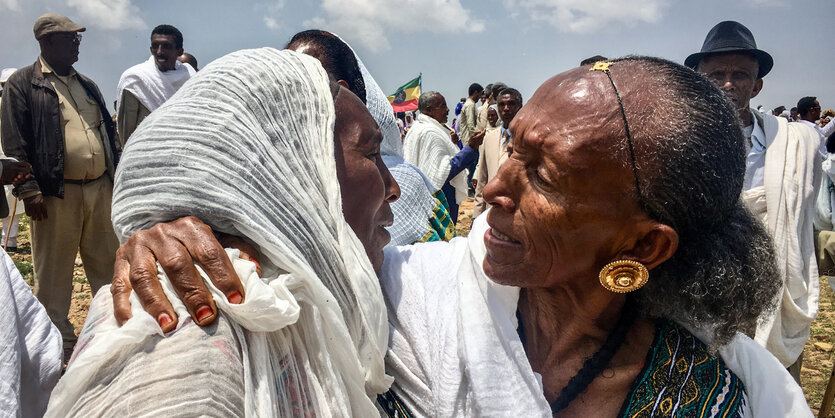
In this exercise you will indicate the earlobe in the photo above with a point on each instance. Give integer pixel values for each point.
(343, 83)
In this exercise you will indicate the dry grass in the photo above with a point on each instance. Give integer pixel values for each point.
(817, 357)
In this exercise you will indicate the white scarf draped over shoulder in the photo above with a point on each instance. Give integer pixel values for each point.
(786, 205)
(429, 147)
(247, 146)
(151, 86)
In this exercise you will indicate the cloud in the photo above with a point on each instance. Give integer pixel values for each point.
(108, 14)
(767, 3)
(271, 11)
(12, 5)
(370, 22)
(270, 22)
(582, 16)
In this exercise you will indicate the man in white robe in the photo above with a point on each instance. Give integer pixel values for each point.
(146, 86)
(781, 179)
(429, 146)
(809, 110)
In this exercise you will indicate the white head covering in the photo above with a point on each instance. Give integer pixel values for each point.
(247, 147)
(495, 108)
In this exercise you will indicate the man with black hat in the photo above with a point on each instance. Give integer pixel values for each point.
(781, 179)
(56, 120)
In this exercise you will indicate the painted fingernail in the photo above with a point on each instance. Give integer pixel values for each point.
(203, 313)
(257, 265)
(234, 297)
(164, 319)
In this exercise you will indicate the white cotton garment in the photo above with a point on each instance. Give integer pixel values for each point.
(455, 351)
(247, 146)
(825, 202)
(30, 347)
(415, 206)
(429, 147)
(151, 86)
(786, 205)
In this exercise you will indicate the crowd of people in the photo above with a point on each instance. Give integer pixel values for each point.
(288, 243)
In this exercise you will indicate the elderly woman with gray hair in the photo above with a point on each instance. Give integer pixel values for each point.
(614, 274)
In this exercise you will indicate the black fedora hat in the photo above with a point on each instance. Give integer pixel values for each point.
(730, 36)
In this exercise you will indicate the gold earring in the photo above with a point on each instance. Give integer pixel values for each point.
(624, 276)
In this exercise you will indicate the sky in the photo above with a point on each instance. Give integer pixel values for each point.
(453, 43)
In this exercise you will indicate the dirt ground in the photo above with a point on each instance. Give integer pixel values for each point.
(817, 361)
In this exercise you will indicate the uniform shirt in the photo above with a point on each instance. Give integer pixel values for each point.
(80, 124)
(468, 120)
(482, 116)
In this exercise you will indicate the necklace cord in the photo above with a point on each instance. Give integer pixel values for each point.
(598, 361)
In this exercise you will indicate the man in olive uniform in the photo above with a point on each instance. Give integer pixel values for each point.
(56, 120)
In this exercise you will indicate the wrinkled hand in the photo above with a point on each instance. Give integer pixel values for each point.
(35, 207)
(15, 172)
(476, 140)
(177, 245)
(454, 137)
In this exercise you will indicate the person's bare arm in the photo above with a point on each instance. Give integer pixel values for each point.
(177, 246)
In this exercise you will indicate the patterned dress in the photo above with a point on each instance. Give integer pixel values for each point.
(441, 227)
(681, 378)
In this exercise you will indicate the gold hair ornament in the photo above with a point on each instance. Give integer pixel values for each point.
(624, 276)
(603, 66)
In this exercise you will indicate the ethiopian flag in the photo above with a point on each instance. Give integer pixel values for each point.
(406, 97)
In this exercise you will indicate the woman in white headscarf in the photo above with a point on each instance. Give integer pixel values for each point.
(421, 214)
(493, 121)
(260, 144)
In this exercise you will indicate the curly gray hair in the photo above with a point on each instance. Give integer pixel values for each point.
(691, 162)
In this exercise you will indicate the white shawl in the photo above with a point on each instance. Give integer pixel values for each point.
(429, 147)
(246, 146)
(455, 352)
(825, 203)
(30, 347)
(151, 86)
(786, 205)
